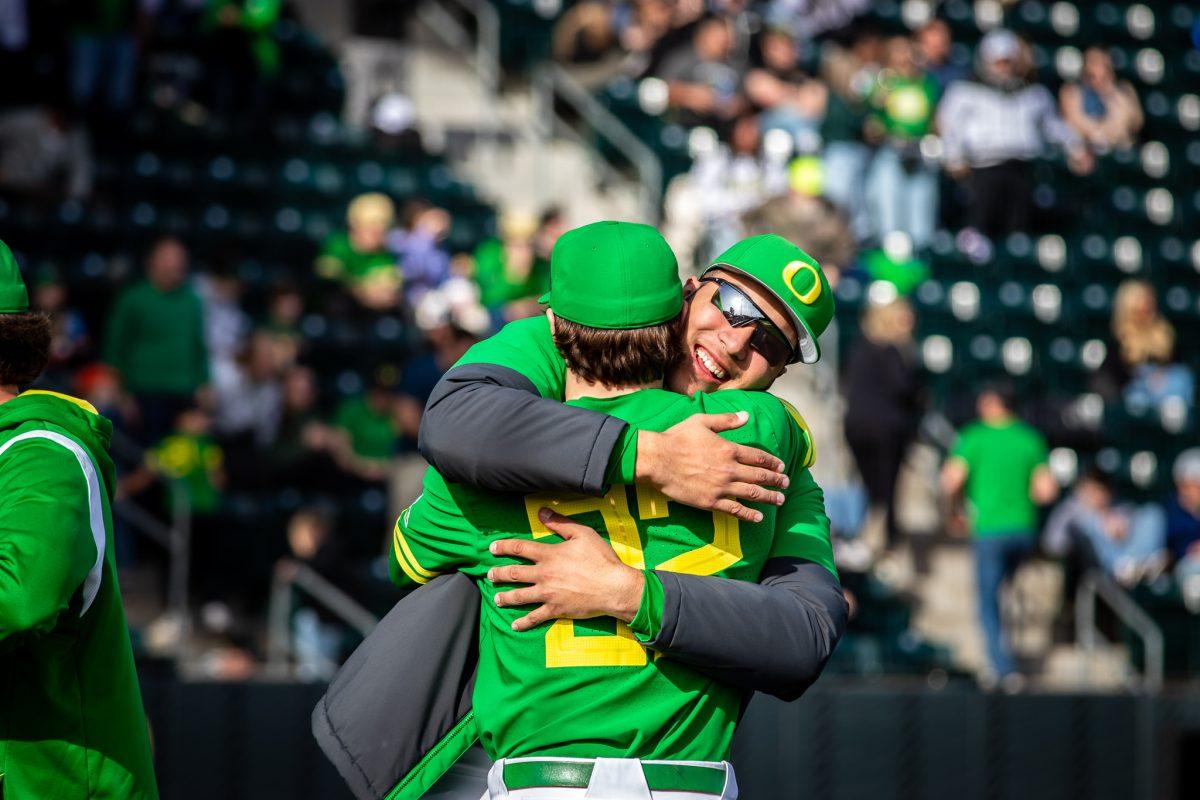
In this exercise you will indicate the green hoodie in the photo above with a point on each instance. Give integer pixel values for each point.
(71, 718)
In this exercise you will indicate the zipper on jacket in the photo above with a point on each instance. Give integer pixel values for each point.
(433, 752)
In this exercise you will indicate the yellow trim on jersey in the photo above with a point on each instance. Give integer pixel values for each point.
(811, 455)
(565, 649)
(652, 504)
(724, 551)
(709, 559)
(407, 561)
(614, 509)
(84, 404)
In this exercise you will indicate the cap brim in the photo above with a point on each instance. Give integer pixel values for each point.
(808, 348)
(544, 299)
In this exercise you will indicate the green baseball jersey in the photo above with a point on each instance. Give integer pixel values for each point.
(71, 719)
(590, 688)
(1000, 462)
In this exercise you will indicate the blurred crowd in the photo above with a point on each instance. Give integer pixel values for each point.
(802, 121)
(997, 486)
(806, 120)
(223, 415)
(861, 143)
(215, 385)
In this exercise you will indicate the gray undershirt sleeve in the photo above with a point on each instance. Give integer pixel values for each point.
(774, 636)
(486, 425)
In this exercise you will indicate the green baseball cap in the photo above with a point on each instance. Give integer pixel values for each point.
(617, 275)
(14, 299)
(790, 274)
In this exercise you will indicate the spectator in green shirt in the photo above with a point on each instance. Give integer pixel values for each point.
(358, 257)
(194, 465)
(999, 463)
(190, 457)
(509, 270)
(902, 186)
(368, 433)
(155, 339)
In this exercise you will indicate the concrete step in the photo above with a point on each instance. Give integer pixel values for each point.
(499, 146)
(948, 609)
(946, 613)
(1068, 668)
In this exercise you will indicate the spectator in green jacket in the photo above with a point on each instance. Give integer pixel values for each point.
(999, 463)
(155, 339)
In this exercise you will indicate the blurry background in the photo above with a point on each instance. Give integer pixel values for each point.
(264, 229)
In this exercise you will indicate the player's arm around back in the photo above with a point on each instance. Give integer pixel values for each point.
(46, 547)
(777, 635)
(496, 420)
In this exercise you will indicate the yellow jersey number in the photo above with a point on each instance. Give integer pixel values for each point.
(564, 648)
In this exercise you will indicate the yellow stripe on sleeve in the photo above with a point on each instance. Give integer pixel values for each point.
(811, 456)
(408, 562)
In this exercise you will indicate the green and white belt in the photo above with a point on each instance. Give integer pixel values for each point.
(661, 776)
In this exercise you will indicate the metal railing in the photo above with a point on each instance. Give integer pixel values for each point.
(552, 84)
(175, 537)
(486, 46)
(301, 577)
(1096, 584)
(447, 27)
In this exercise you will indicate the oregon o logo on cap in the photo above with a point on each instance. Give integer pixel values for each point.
(789, 273)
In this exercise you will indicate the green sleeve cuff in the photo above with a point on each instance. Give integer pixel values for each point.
(648, 621)
(622, 464)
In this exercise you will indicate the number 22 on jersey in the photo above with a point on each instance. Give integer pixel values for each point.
(566, 648)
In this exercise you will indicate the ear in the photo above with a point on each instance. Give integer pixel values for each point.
(690, 287)
(550, 316)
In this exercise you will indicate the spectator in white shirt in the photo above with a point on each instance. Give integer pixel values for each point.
(994, 126)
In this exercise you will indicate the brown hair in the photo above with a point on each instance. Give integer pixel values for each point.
(24, 347)
(616, 358)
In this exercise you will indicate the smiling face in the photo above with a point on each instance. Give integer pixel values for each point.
(718, 355)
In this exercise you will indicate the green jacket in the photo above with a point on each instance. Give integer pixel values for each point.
(156, 339)
(71, 718)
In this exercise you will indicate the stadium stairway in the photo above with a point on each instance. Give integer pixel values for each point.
(500, 149)
(945, 615)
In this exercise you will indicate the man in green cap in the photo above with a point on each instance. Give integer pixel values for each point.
(494, 421)
(71, 719)
(582, 706)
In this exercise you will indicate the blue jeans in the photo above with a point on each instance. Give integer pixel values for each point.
(1146, 538)
(782, 118)
(902, 200)
(845, 178)
(996, 559)
(1151, 384)
(103, 61)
